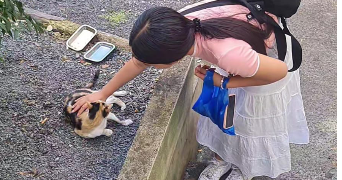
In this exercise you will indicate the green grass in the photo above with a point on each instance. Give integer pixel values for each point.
(115, 18)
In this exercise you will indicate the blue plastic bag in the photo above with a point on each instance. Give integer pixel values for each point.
(213, 103)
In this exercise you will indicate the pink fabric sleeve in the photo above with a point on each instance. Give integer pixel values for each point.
(240, 60)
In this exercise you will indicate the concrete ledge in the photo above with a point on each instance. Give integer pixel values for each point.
(166, 139)
(68, 27)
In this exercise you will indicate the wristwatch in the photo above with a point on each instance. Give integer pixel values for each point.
(224, 82)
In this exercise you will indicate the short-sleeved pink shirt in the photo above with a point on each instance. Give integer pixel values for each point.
(234, 56)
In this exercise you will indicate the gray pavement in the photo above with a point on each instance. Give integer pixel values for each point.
(316, 27)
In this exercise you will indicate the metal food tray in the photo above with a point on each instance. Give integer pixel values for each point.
(81, 37)
(99, 51)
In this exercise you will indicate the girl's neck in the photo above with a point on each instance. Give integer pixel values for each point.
(191, 51)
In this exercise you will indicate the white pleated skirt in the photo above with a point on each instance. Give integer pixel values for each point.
(266, 119)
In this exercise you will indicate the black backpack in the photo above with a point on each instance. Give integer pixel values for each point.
(281, 8)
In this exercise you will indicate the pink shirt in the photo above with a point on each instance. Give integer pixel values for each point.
(234, 56)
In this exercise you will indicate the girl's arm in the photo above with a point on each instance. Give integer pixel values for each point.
(270, 70)
(128, 72)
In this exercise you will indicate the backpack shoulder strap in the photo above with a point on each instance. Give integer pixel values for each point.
(258, 13)
(296, 48)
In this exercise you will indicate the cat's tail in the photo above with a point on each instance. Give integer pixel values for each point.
(95, 78)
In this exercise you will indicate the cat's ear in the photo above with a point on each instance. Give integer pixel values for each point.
(89, 105)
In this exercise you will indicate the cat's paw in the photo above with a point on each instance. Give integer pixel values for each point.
(107, 132)
(123, 108)
(120, 93)
(127, 122)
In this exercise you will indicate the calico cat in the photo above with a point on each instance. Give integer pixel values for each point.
(92, 122)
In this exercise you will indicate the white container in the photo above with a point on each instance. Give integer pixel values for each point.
(81, 37)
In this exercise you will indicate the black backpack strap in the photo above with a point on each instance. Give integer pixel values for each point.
(258, 13)
(296, 48)
(280, 38)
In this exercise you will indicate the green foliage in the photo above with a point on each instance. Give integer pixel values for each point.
(115, 18)
(13, 19)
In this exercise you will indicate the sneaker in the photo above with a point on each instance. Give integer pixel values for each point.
(215, 170)
(236, 174)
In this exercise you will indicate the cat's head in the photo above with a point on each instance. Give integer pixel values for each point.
(98, 109)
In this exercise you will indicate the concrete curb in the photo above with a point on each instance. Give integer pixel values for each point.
(166, 139)
(68, 27)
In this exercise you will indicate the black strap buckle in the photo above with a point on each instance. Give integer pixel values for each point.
(249, 16)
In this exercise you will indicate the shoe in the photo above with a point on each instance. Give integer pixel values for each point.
(236, 174)
(215, 170)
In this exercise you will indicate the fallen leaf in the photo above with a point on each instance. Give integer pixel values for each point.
(105, 66)
(87, 63)
(33, 173)
(29, 102)
(24, 173)
(200, 150)
(49, 28)
(57, 33)
(82, 61)
(136, 111)
(60, 37)
(43, 121)
(65, 59)
(334, 164)
(22, 61)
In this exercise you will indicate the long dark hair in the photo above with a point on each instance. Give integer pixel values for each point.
(161, 35)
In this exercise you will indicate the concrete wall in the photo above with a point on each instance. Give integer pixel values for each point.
(166, 139)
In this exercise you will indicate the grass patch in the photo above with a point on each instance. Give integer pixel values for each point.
(115, 18)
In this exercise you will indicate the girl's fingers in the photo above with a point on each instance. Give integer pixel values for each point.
(202, 70)
(205, 66)
(200, 75)
(76, 102)
(75, 108)
(83, 108)
(77, 105)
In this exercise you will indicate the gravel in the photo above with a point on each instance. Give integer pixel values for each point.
(35, 78)
(92, 12)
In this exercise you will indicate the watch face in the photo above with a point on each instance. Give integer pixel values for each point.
(229, 113)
